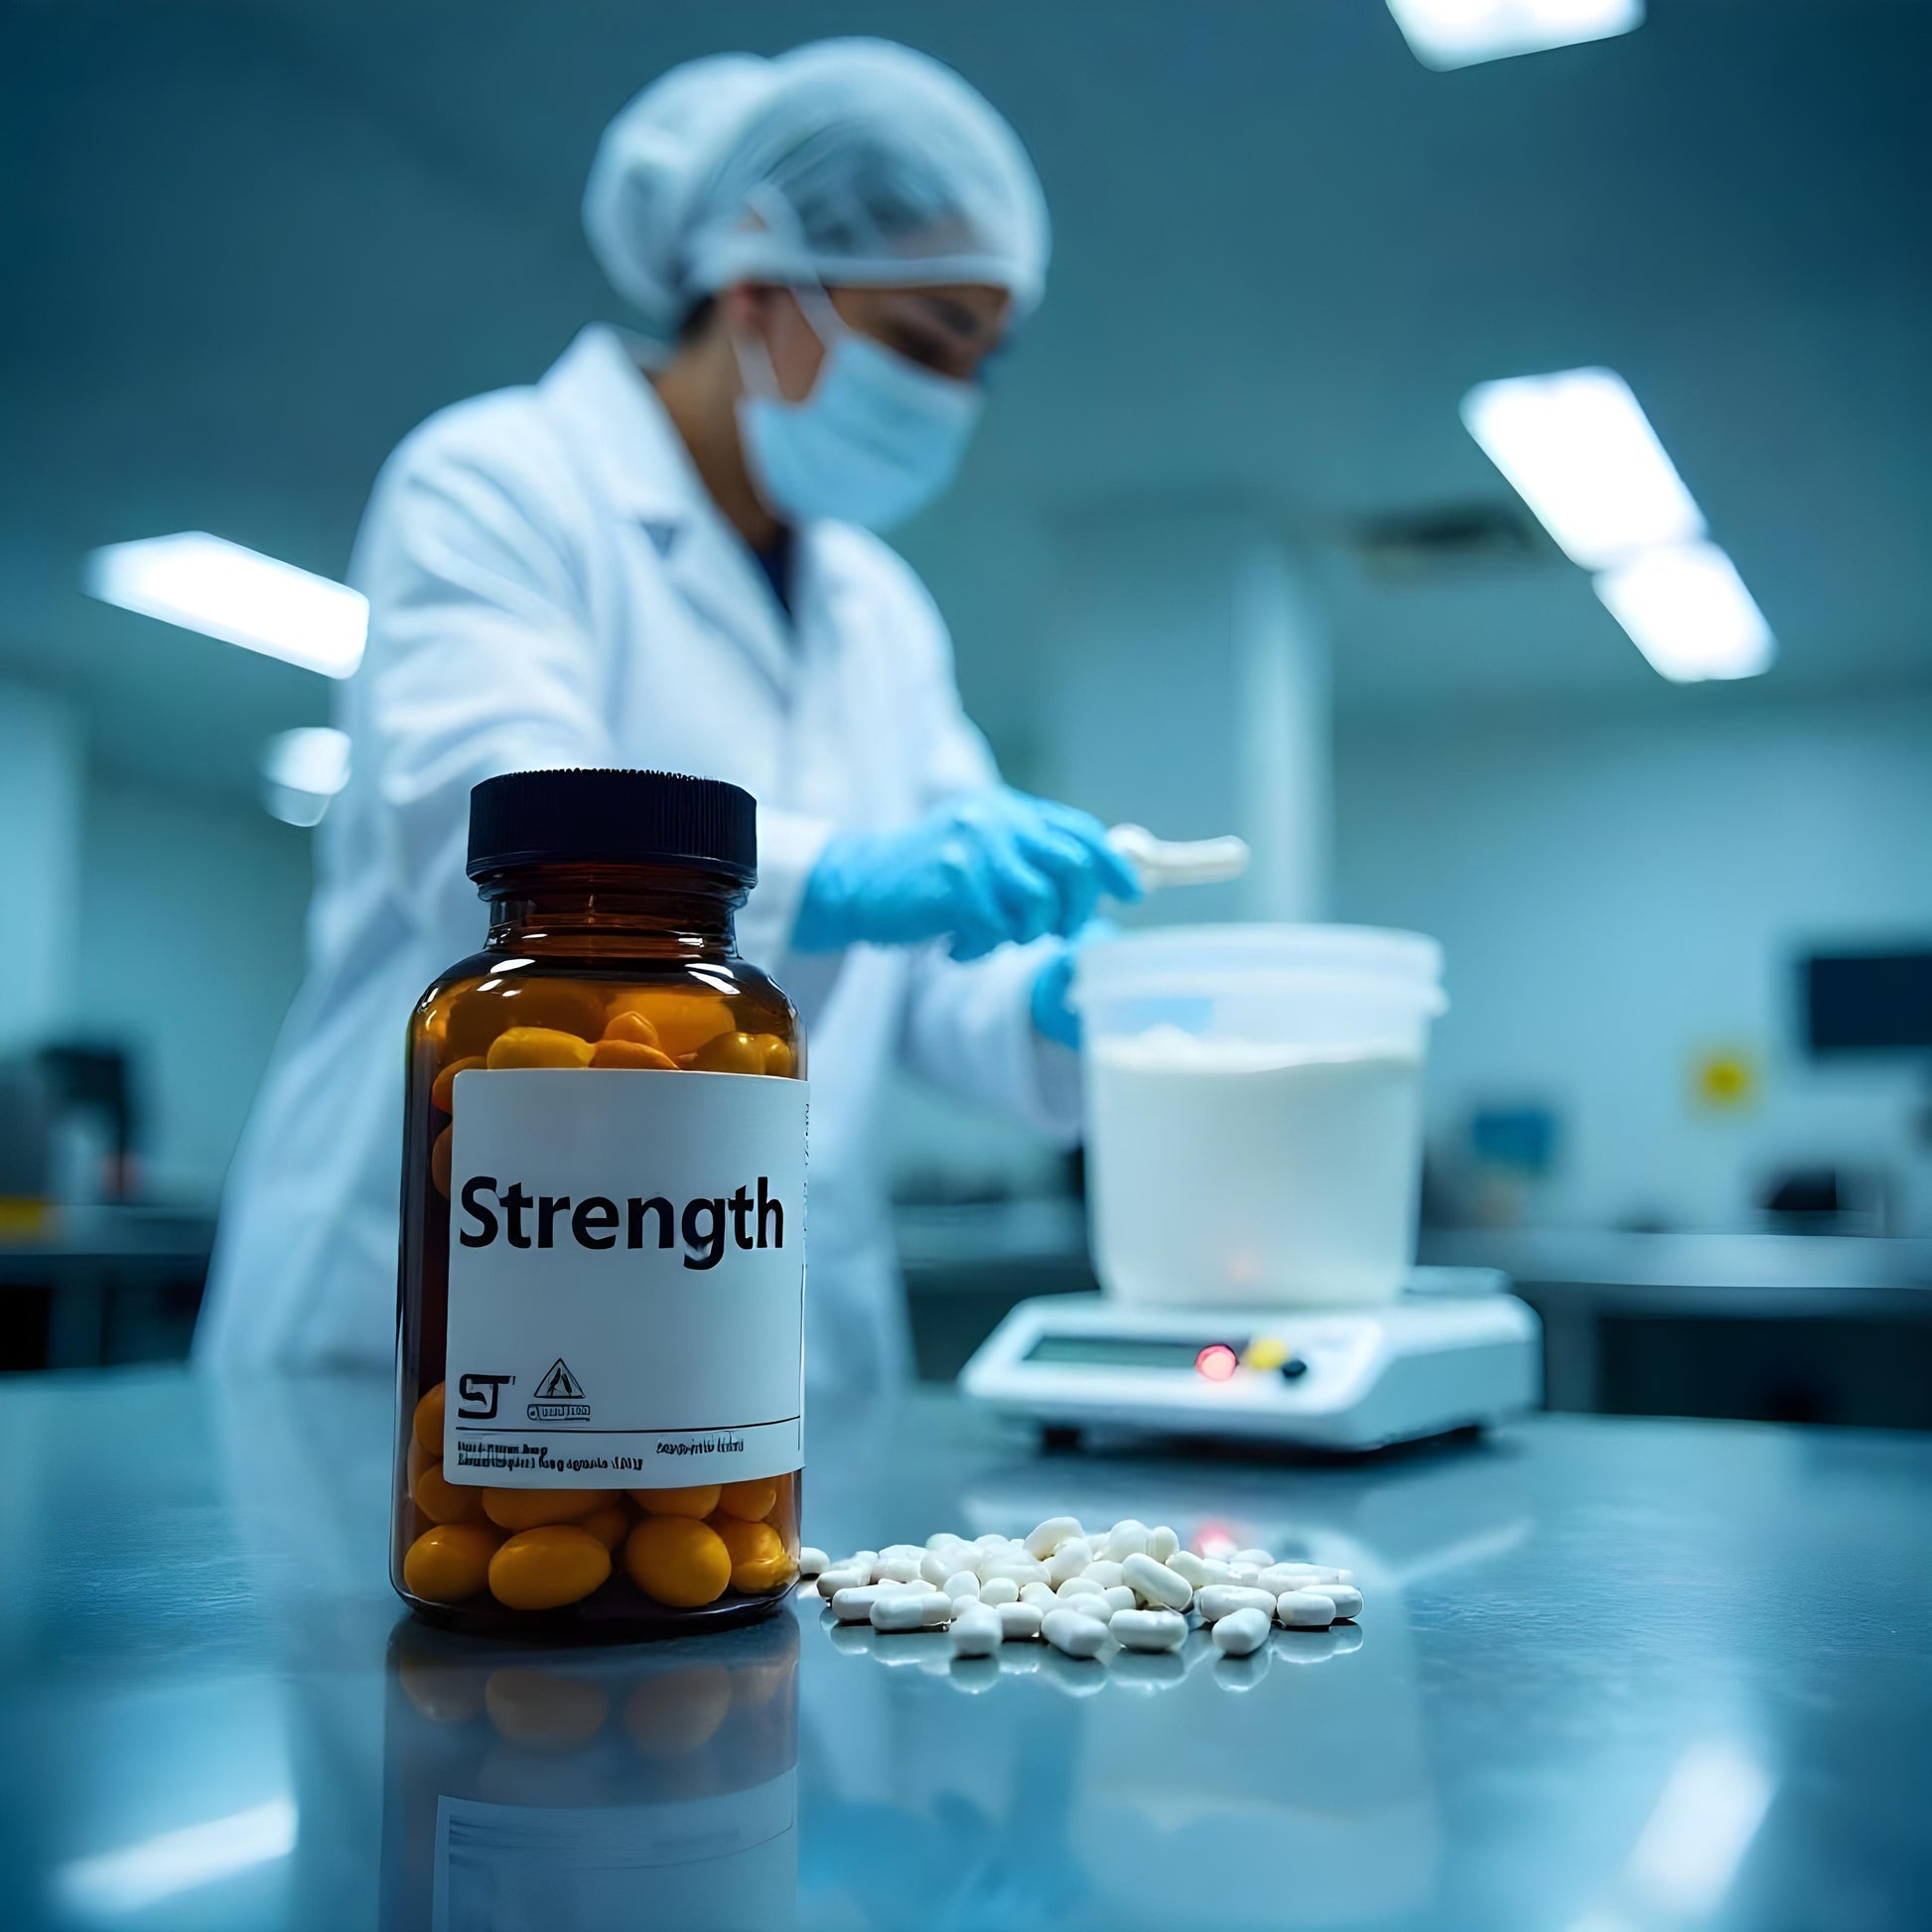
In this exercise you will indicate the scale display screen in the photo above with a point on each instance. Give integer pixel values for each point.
(1117, 1351)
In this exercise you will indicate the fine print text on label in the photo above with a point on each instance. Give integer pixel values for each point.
(627, 1278)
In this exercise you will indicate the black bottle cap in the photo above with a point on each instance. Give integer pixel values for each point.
(612, 818)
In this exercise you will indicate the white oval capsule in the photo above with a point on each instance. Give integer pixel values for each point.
(941, 1538)
(1127, 1538)
(1104, 1572)
(1016, 1570)
(1017, 1621)
(1199, 1570)
(1218, 1600)
(1119, 1599)
(1155, 1584)
(895, 1610)
(911, 1610)
(1073, 1634)
(1241, 1632)
(1278, 1577)
(976, 1634)
(852, 1604)
(998, 1589)
(1148, 1629)
(937, 1565)
(1346, 1599)
(913, 1550)
(812, 1562)
(843, 1576)
(1162, 1542)
(1245, 1573)
(1261, 1559)
(1077, 1586)
(1069, 1560)
(962, 1582)
(896, 1569)
(1047, 1536)
(1041, 1595)
(1305, 1610)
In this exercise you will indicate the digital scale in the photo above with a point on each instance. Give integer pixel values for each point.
(1453, 1350)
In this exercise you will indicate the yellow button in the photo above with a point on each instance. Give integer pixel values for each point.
(1265, 1351)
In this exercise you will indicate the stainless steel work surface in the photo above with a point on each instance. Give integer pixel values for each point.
(1612, 1674)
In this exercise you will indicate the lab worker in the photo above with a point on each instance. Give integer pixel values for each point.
(664, 554)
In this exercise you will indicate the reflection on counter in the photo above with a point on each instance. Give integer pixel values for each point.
(1101, 1794)
(549, 1789)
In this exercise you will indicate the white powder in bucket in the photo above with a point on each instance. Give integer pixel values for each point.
(1233, 1171)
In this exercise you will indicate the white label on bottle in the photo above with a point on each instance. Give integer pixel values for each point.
(626, 1279)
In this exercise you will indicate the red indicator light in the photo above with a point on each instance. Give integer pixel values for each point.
(1217, 1361)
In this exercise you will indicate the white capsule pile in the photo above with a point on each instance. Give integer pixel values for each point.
(1091, 1595)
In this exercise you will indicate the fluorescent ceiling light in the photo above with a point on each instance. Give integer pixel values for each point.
(301, 771)
(207, 583)
(1458, 33)
(1582, 454)
(1688, 610)
(158, 1867)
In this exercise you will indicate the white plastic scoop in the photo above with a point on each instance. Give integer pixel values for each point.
(1178, 862)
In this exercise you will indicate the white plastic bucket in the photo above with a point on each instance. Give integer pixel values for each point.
(1254, 1111)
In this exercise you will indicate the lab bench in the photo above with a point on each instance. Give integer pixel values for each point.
(86, 1286)
(1749, 1327)
(1774, 1327)
(1611, 1672)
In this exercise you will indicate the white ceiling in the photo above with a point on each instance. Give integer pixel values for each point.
(248, 247)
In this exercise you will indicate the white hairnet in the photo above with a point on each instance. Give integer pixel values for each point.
(847, 160)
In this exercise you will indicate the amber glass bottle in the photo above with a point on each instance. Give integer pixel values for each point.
(602, 1267)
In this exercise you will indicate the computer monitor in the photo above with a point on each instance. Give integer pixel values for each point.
(1867, 1003)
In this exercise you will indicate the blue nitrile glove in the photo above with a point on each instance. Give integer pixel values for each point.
(1053, 1017)
(985, 867)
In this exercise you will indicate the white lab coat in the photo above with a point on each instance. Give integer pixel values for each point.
(550, 585)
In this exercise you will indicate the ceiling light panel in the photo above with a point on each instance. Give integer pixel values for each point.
(1688, 610)
(1459, 33)
(207, 583)
(1582, 456)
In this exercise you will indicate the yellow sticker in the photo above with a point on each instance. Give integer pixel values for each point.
(1725, 1080)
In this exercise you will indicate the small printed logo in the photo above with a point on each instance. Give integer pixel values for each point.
(559, 1396)
(476, 1396)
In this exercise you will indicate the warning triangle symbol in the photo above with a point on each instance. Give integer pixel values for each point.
(559, 1385)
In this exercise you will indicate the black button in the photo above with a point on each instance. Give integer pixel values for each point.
(1294, 1369)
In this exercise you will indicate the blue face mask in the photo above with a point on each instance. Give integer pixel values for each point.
(878, 438)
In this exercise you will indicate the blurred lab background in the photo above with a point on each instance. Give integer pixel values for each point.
(1245, 545)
